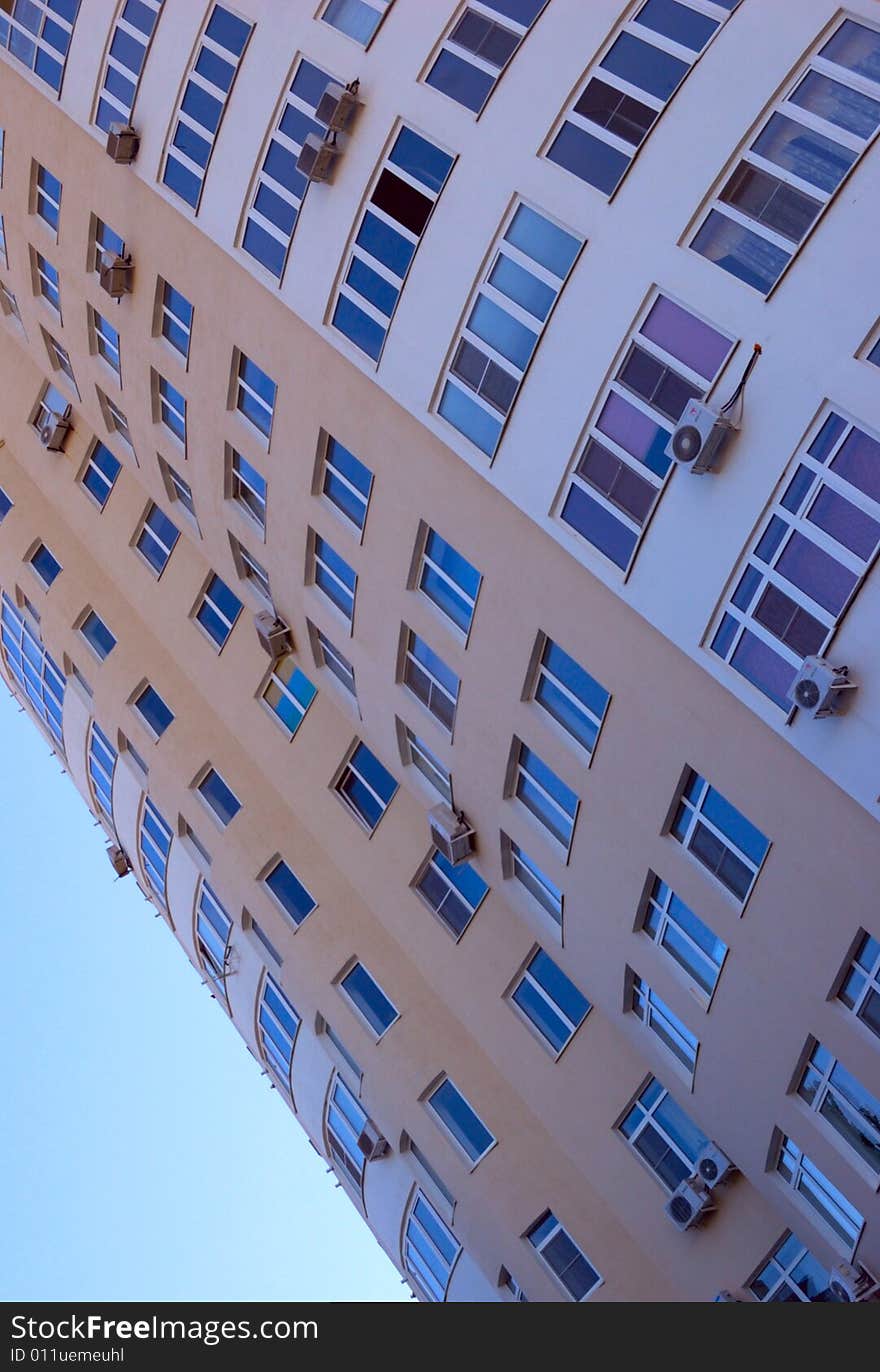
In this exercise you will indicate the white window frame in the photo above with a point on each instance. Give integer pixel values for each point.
(681, 1046)
(547, 1240)
(103, 346)
(254, 503)
(415, 752)
(461, 1149)
(145, 529)
(164, 858)
(44, 285)
(518, 772)
(697, 816)
(199, 783)
(164, 311)
(113, 63)
(423, 1276)
(239, 384)
(95, 764)
(348, 770)
(517, 865)
(268, 1054)
(806, 1178)
(342, 671)
(486, 10)
(380, 6)
(42, 196)
(668, 921)
(412, 664)
(828, 1091)
(90, 465)
(348, 1161)
(870, 976)
(649, 1120)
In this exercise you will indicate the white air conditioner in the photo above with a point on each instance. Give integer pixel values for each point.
(850, 1282)
(273, 634)
(689, 1202)
(122, 143)
(115, 273)
(337, 105)
(318, 157)
(371, 1143)
(699, 436)
(54, 430)
(818, 688)
(118, 860)
(451, 834)
(712, 1165)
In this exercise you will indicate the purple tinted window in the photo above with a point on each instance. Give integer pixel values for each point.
(822, 578)
(694, 343)
(826, 437)
(634, 431)
(845, 522)
(764, 668)
(858, 462)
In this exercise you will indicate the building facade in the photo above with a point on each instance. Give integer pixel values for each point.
(420, 412)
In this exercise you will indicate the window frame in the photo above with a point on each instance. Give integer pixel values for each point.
(642, 1001)
(526, 976)
(471, 1160)
(784, 1149)
(697, 817)
(348, 772)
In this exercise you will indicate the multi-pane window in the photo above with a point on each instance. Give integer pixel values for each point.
(126, 57)
(460, 1120)
(539, 886)
(154, 838)
(358, 18)
(631, 85)
(105, 340)
(346, 483)
(38, 33)
(345, 1122)
(335, 577)
(157, 538)
(453, 893)
(544, 794)
(568, 693)
(114, 418)
(203, 103)
(718, 836)
(368, 998)
(153, 711)
(47, 281)
(366, 787)
(217, 611)
(220, 799)
(430, 680)
(673, 926)
(873, 355)
(102, 761)
(549, 1001)
(247, 487)
(388, 234)
(479, 46)
(280, 189)
(342, 1052)
(213, 929)
(823, 1197)
(47, 197)
(289, 892)
(326, 655)
(8, 302)
(860, 991)
(5, 505)
(32, 668)
(170, 407)
(4, 256)
(51, 404)
(791, 1273)
(100, 472)
(418, 754)
(45, 564)
(178, 489)
(844, 1103)
(430, 1249)
(665, 1138)
(815, 134)
(656, 1015)
(288, 694)
(263, 939)
(105, 242)
(254, 395)
(528, 266)
(60, 359)
(670, 358)
(448, 580)
(175, 317)
(278, 1024)
(808, 560)
(252, 571)
(559, 1252)
(97, 635)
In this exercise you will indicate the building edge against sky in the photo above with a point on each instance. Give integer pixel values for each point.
(421, 414)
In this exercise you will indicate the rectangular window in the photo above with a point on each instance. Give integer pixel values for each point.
(665, 1138)
(529, 263)
(219, 798)
(33, 669)
(334, 576)
(860, 992)
(217, 610)
(453, 893)
(419, 755)
(808, 561)
(100, 473)
(342, 1052)
(814, 1188)
(156, 539)
(4, 256)
(477, 48)
(213, 930)
(169, 407)
(326, 655)
(529, 875)
(430, 1172)
(102, 761)
(8, 302)
(366, 787)
(345, 1122)
(114, 418)
(105, 242)
(674, 927)
(51, 405)
(178, 489)
(389, 231)
(559, 1252)
(448, 580)
(126, 58)
(254, 395)
(289, 892)
(47, 197)
(553, 804)
(671, 357)
(773, 196)
(5, 505)
(59, 359)
(175, 317)
(278, 1025)
(203, 103)
(97, 635)
(288, 694)
(346, 483)
(791, 1273)
(430, 1249)
(45, 564)
(247, 487)
(368, 998)
(155, 844)
(262, 938)
(874, 354)
(46, 281)
(105, 341)
(656, 1015)
(718, 836)
(569, 695)
(430, 680)
(460, 1121)
(153, 711)
(38, 34)
(251, 571)
(844, 1103)
(357, 18)
(551, 1003)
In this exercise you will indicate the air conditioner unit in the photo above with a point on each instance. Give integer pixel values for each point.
(54, 430)
(122, 143)
(451, 834)
(317, 157)
(273, 634)
(699, 436)
(371, 1143)
(850, 1282)
(118, 860)
(713, 1166)
(738, 1295)
(689, 1202)
(115, 273)
(818, 687)
(337, 105)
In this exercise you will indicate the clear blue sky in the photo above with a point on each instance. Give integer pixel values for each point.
(143, 1155)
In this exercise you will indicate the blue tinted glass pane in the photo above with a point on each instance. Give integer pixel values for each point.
(601, 528)
(464, 878)
(290, 892)
(205, 109)
(446, 598)
(578, 681)
(372, 286)
(220, 797)
(435, 665)
(228, 30)
(457, 568)
(98, 635)
(590, 158)
(502, 332)
(363, 331)
(736, 827)
(744, 254)
(547, 779)
(545, 242)
(678, 22)
(469, 418)
(558, 987)
(276, 209)
(215, 69)
(266, 249)
(370, 999)
(337, 564)
(154, 710)
(182, 181)
(461, 1120)
(566, 713)
(543, 1016)
(383, 242)
(353, 17)
(644, 65)
(421, 159)
(513, 280)
(353, 470)
(371, 769)
(807, 154)
(460, 80)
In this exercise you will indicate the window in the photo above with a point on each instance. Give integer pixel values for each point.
(809, 559)
(519, 865)
(551, 1003)
(280, 189)
(672, 357)
(44, 564)
(851, 1111)
(178, 490)
(4, 257)
(430, 1249)
(673, 926)
(59, 359)
(478, 47)
(511, 1284)
(656, 1015)
(629, 88)
(193, 844)
(8, 302)
(219, 798)
(175, 316)
(75, 673)
(288, 694)
(247, 488)
(430, 680)
(341, 1051)
(289, 892)
(334, 576)
(460, 1121)
(102, 761)
(543, 794)
(559, 1252)
(874, 354)
(47, 197)
(791, 1273)
(278, 1024)
(390, 229)
(155, 844)
(126, 58)
(569, 695)
(46, 281)
(2, 148)
(105, 341)
(860, 992)
(529, 263)
(419, 755)
(97, 635)
(331, 658)
(254, 395)
(823, 1198)
(153, 711)
(202, 105)
(774, 195)
(251, 571)
(262, 938)
(5, 505)
(453, 893)
(156, 539)
(104, 241)
(665, 1138)
(357, 18)
(346, 483)
(345, 1123)
(114, 418)
(50, 404)
(409, 1145)
(32, 668)
(217, 610)
(169, 407)
(366, 787)
(213, 930)
(448, 580)
(100, 473)
(38, 34)
(718, 836)
(368, 998)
